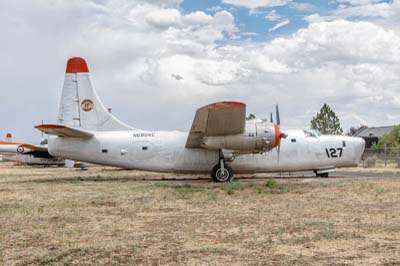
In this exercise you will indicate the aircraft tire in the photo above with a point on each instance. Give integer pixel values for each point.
(219, 177)
(322, 174)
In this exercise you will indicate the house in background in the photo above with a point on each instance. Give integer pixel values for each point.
(371, 135)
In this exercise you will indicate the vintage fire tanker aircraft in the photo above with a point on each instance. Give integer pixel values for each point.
(27, 153)
(219, 142)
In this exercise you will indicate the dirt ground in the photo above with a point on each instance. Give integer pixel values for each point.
(105, 216)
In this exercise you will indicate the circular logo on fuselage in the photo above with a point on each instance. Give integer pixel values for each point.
(87, 105)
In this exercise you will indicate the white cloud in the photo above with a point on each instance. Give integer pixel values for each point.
(371, 11)
(197, 18)
(302, 6)
(279, 25)
(164, 18)
(214, 9)
(358, 2)
(272, 16)
(165, 66)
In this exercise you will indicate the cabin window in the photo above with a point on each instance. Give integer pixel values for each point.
(293, 140)
(145, 148)
(344, 143)
(104, 151)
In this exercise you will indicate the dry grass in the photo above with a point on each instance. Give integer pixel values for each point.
(110, 217)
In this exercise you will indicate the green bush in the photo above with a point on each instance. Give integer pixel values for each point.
(270, 183)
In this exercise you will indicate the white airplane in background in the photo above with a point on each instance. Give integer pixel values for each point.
(27, 153)
(219, 142)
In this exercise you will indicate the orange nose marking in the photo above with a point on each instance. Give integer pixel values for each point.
(277, 136)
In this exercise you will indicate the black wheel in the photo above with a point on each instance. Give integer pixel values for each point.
(220, 176)
(321, 174)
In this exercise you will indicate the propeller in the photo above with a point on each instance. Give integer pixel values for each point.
(280, 134)
(278, 119)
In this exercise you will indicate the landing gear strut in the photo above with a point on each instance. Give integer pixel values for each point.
(321, 174)
(222, 172)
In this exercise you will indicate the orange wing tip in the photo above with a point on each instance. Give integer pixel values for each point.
(223, 105)
(9, 143)
(44, 126)
(77, 65)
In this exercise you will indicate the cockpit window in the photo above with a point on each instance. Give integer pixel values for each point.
(311, 133)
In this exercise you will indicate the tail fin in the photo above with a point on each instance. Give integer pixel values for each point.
(9, 137)
(80, 106)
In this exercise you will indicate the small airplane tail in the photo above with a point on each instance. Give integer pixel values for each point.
(9, 137)
(80, 106)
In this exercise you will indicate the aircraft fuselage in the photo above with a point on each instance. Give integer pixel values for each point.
(165, 151)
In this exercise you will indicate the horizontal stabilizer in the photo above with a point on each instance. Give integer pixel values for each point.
(64, 131)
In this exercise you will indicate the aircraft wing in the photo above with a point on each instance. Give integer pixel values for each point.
(8, 147)
(217, 119)
(64, 131)
(34, 147)
(11, 148)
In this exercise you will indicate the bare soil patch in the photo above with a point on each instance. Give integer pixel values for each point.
(106, 216)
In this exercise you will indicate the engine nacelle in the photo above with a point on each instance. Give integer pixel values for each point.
(23, 150)
(258, 137)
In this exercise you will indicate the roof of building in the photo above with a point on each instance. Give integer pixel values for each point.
(374, 132)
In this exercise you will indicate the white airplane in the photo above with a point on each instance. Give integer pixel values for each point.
(219, 142)
(27, 153)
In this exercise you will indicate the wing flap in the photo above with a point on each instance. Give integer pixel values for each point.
(217, 119)
(64, 131)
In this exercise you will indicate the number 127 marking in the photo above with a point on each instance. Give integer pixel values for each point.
(334, 153)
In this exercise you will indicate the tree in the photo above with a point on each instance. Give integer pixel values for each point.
(327, 122)
(391, 139)
(251, 117)
(355, 129)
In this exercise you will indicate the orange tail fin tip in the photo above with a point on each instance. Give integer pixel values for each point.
(77, 65)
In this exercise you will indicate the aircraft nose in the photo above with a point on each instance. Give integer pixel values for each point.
(359, 147)
(361, 143)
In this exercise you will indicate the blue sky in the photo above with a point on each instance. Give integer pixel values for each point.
(255, 21)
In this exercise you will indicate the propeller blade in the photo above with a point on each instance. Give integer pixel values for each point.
(278, 119)
(279, 151)
(270, 118)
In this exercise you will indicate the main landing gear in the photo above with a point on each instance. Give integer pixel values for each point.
(222, 172)
(321, 174)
